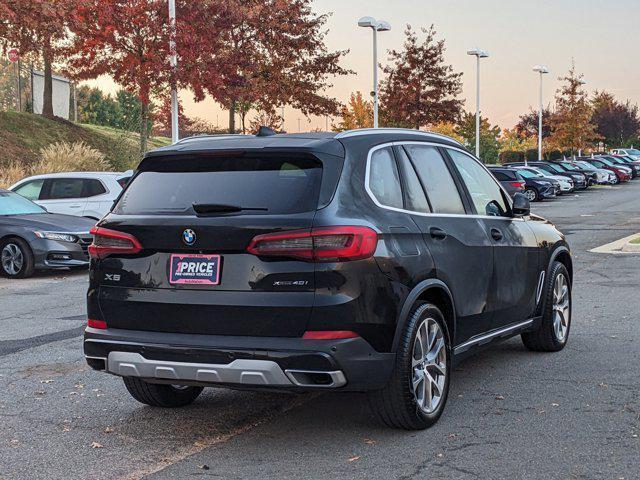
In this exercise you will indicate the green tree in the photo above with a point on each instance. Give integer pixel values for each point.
(420, 88)
(99, 109)
(358, 113)
(489, 136)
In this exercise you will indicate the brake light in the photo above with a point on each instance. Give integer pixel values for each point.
(106, 242)
(329, 334)
(101, 324)
(324, 244)
(517, 184)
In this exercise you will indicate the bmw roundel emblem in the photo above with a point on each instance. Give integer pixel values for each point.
(189, 236)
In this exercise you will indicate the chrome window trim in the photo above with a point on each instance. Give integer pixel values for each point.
(380, 131)
(425, 214)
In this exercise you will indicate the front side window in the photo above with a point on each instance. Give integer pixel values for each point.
(436, 178)
(384, 180)
(485, 193)
(30, 190)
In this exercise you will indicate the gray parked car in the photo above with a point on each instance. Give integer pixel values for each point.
(32, 238)
(511, 180)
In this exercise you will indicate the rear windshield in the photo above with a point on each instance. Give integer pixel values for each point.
(252, 186)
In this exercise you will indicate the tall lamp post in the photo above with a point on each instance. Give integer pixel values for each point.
(541, 69)
(478, 53)
(174, 66)
(376, 26)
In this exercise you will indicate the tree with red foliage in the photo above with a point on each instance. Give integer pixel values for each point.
(128, 40)
(36, 27)
(275, 54)
(420, 89)
(162, 119)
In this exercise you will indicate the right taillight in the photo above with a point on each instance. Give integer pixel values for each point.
(517, 184)
(107, 242)
(323, 244)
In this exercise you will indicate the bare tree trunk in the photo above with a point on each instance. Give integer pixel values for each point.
(243, 115)
(232, 117)
(47, 97)
(144, 120)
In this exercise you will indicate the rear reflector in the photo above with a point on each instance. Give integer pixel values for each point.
(106, 242)
(329, 334)
(324, 244)
(101, 324)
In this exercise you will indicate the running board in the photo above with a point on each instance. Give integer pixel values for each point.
(491, 336)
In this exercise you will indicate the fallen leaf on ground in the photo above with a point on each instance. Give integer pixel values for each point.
(108, 430)
(368, 441)
(97, 445)
(353, 459)
(204, 467)
(499, 397)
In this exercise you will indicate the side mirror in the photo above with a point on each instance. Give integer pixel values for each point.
(521, 205)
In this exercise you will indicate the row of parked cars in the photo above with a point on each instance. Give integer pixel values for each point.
(45, 220)
(543, 180)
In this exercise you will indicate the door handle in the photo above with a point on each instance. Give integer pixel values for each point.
(438, 233)
(496, 234)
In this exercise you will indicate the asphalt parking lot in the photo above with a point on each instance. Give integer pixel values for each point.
(511, 413)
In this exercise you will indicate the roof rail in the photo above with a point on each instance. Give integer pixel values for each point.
(379, 131)
(221, 136)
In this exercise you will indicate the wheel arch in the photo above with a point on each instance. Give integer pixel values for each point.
(433, 291)
(563, 255)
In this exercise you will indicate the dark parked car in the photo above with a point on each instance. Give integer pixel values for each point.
(579, 180)
(31, 238)
(592, 178)
(367, 260)
(537, 189)
(510, 180)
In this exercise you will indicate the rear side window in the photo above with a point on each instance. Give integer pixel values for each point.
(93, 187)
(436, 178)
(384, 180)
(30, 190)
(123, 181)
(60, 188)
(255, 185)
(416, 199)
(500, 175)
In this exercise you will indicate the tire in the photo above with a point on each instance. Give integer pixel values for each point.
(396, 405)
(548, 337)
(532, 195)
(16, 258)
(160, 395)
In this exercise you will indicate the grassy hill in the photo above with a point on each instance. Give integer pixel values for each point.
(22, 135)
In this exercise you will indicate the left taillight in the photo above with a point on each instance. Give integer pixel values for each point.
(107, 242)
(323, 244)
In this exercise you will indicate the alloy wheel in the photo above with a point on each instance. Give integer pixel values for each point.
(429, 366)
(561, 308)
(12, 259)
(530, 194)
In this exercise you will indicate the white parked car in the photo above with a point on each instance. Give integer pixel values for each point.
(634, 153)
(83, 194)
(566, 184)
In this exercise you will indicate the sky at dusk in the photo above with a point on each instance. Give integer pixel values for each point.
(601, 36)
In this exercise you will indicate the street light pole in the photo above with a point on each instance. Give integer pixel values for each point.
(478, 53)
(376, 26)
(541, 69)
(174, 65)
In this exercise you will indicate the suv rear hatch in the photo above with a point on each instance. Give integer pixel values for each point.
(194, 217)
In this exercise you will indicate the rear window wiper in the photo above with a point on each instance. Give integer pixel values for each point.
(209, 208)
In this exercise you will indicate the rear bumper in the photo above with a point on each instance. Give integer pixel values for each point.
(239, 362)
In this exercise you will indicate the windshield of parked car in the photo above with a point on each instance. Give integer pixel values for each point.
(13, 204)
(527, 173)
(586, 166)
(556, 167)
(541, 172)
(606, 162)
(633, 151)
(568, 166)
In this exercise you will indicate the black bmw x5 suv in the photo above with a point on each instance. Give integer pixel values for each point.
(368, 260)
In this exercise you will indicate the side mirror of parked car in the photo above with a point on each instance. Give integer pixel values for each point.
(521, 205)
